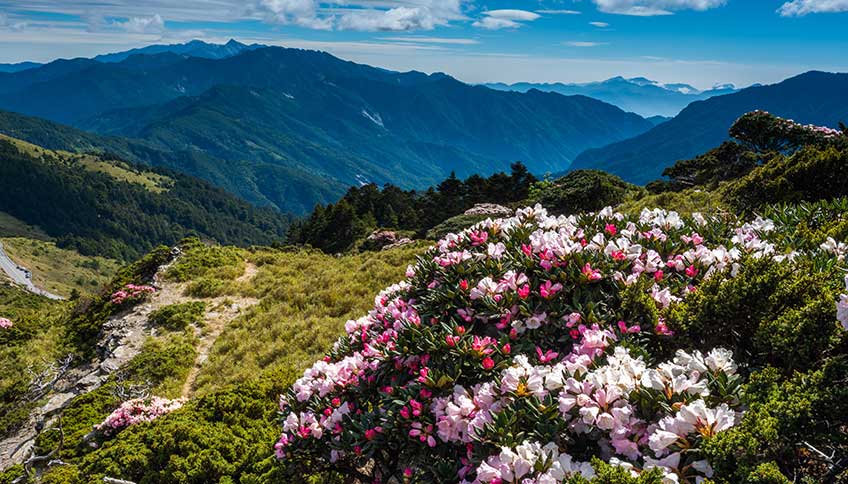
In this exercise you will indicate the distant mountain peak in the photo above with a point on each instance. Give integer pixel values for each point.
(640, 95)
(642, 81)
(191, 48)
(724, 86)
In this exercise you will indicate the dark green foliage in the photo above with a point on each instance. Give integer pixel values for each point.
(810, 174)
(779, 321)
(608, 474)
(787, 424)
(334, 228)
(727, 162)
(764, 132)
(777, 315)
(226, 436)
(178, 317)
(79, 419)
(582, 191)
(95, 213)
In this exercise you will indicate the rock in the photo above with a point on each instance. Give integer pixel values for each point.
(398, 243)
(382, 238)
(57, 402)
(490, 209)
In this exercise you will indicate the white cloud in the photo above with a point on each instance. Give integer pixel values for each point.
(797, 8)
(8, 24)
(143, 25)
(505, 19)
(510, 14)
(492, 23)
(648, 8)
(559, 12)
(398, 19)
(290, 12)
(579, 43)
(432, 40)
(600, 25)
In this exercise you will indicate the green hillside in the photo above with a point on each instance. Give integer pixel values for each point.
(117, 210)
(291, 128)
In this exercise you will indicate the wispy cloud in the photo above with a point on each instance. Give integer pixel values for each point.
(559, 12)
(649, 8)
(600, 25)
(505, 19)
(143, 25)
(432, 40)
(582, 43)
(797, 8)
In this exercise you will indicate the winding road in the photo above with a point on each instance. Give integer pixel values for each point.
(21, 276)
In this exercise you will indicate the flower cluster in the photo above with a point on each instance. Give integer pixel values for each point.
(789, 125)
(519, 349)
(5, 323)
(131, 293)
(137, 410)
(842, 307)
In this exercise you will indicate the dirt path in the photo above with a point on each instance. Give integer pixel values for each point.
(123, 337)
(220, 311)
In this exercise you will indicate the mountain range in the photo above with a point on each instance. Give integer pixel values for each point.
(638, 94)
(290, 128)
(814, 97)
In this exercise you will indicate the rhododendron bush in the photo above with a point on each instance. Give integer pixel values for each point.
(135, 411)
(131, 293)
(530, 349)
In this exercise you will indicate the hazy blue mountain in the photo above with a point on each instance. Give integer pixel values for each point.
(814, 97)
(19, 66)
(303, 124)
(639, 95)
(655, 120)
(194, 48)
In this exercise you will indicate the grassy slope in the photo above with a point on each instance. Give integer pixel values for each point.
(60, 271)
(118, 170)
(13, 227)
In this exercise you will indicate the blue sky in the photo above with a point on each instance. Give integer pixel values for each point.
(700, 42)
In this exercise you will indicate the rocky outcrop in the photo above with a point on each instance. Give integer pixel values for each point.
(491, 210)
(384, 240)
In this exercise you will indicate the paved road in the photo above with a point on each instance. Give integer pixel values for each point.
(21, 277)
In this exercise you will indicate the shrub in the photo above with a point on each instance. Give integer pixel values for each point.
(177, 317)
(810, 174)
(525, 350)
(198, 259)
(206, 287)
(582, 191)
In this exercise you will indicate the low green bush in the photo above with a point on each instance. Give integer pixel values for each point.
(177, 317)
(582, 191)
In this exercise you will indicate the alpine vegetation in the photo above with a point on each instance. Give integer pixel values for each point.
(536, 349)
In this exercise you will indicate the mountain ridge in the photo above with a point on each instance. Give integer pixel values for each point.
(812, 97)
(312, 117)
(640, 95)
